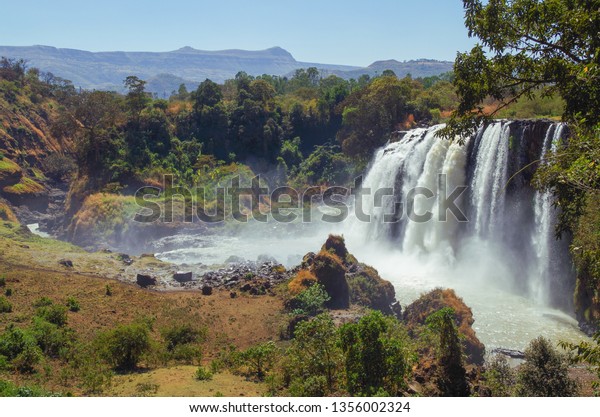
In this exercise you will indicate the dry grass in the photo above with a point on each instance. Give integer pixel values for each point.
(179, 381)
(303, 279)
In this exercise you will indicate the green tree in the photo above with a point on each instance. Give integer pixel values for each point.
(377, 355)
(371, 114)
(528, 46)
(259, 358)
(452, 376)
(545, 372)
(315, 355)
(123, 346)
(137, 99)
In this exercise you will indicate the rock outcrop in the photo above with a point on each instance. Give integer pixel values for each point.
(416, 313)
(344, 278)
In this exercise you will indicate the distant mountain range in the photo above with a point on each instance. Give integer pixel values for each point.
(165, 71)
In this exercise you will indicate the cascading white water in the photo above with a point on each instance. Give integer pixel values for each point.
(504, 260)
(514, 225)
(545, 217)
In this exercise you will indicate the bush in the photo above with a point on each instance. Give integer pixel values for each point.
(545, 372)
(203, 374)
(57, 166)
(311, 301)
(55, 314)
(123, 346)
(19, 347)
(187, 353)
(73, 305)
(302, 281)
(2, 281)
(8, 389)
(259, 358)
(42, 302)
(499, 377)
(5, 305)
(8, 292)
(54, 340)
(182, 334)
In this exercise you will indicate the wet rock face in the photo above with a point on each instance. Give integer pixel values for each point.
(145, 281)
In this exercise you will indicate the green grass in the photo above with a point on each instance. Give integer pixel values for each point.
(24, 187)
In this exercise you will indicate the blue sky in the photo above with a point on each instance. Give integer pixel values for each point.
(326, 31)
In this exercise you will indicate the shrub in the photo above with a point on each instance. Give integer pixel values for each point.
(311, 301)
(29, 357)
(108, 291)
(55, 314)
(73, 305)
(123, 346)
(545, 372)
(499, 377)
(18, 346)
(259, 358)
(8, 292)
(146, 389)
(57, 166)
(202, 374)
(51, 338)
(187, 353)
(589, 353)
(182, 334)
(5, 305)
(42, 302)
(2, 281)
(9, 389)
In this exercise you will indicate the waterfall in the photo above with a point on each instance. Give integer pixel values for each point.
(543, 240)
(506, 218)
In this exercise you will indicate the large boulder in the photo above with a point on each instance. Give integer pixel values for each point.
(416, 313)
(344, 278)
(182, 276)
(145, 281)
(368, 289)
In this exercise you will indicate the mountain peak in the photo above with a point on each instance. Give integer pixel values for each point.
(186, 49)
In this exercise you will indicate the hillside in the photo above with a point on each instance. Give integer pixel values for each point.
(165, 71)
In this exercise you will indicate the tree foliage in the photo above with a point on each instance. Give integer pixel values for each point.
(544, 372)
(377, 354)
(451, 378)
(527, 46)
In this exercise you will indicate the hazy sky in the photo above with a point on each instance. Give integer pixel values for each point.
(324, 31)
